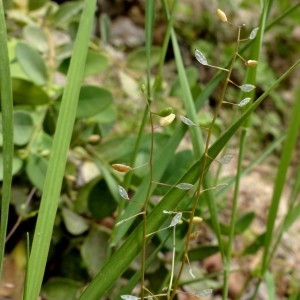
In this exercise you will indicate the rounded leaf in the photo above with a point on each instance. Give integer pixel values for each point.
(137, 58)
(101, 203)
(92, 100)
(60, 289)
(23, 127)
(27, 93)
(74, 223)
(35, 35)
(93, 250)
(66, 12)
(36, 168)
(32, 63)
(200, 57)
(17, 165)
(95, 63)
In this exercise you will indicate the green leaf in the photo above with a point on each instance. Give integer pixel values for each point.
(35, 35)
(66, 12)
(60, 289)
(255, 245)
(32, 63)
(27, 93)
(202, 252)
(36, 4)
(244, 222)
(74, 223)
(137, 58)
(92, 101)
(93, 250)
(95, 63)
(108, 115)
(36, 168)
(100, 202)
(240, 226)
(41, 143)
(16, 165)
(23, 127)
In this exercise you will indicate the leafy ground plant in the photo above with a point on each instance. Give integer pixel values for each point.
(124, 217)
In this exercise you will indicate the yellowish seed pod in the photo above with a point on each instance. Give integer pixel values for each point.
(221, 15)
(121, 168)
(251, 63)
(94, 138)
(197, 220)
(165, 121)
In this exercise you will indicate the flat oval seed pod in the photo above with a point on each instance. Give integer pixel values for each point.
(187, 121)
(121, 168)
(176, 219)
(247, 88)
(253, 33)
(123, 193)
(200, 57)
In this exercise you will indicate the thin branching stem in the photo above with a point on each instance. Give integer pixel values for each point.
(203, 169)
(144, 210)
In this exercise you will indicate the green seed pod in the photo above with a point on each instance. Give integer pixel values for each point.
(165, 111)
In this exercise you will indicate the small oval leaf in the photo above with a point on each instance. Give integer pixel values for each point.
(200, 57)
(184, 186)
(247, 88)
(23, 127)
(123, 193)
(176, 219)
(244, 102)
(253, 33)
(187, 121)
(75, 224)
(32, 63)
